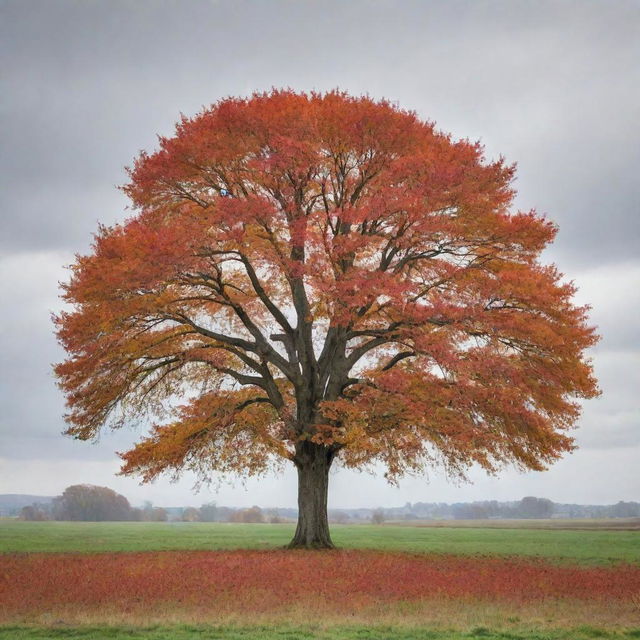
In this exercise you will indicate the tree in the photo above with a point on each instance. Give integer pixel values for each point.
(323, 277)
(149, 513)
(190, 514)
(472, 511)
(251, 515)
(160, 514)
(377, 517)
(273, 517)
(88, 502)
(625, 510)
(338, 517)
(531, 507)
(209, 512)
(33, 512)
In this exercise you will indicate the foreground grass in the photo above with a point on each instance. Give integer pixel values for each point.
(294, 633)
(295, 588)
(288, 583)
(440, 616)
(585, 547)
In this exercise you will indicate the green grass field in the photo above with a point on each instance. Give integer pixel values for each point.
(450, 620)
(585, 547)
(302, 633)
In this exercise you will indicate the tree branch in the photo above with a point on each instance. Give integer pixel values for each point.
(275, 312)
(246, 403)
(397, 358)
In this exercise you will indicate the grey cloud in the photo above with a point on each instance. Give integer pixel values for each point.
(613, 294)
(58, 216)
(551, 85)
(610, 429)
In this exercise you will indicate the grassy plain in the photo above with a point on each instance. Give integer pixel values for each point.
(191, 632)
(219, 614)
(578, 546)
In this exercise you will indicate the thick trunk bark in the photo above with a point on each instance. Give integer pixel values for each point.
(313, 462)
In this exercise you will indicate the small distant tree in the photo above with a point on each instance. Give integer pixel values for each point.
(136, 514)
(89, 502)
(531, 507)
(146, 513)
(149, 513)
(209, 512)
(33, 513)
(158, 514)
(273, 517)
(377, 517)
(190, 514)
(625, 510)
(338, 517)
(225, 514)
(470, 512)
(252, 515)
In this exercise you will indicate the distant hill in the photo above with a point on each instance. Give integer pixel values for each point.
(11, 503)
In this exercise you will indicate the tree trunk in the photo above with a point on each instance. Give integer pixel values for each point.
(313, 462)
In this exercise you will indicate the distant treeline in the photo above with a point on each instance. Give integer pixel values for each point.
(99, 504)
(88, 502)
(528, 507)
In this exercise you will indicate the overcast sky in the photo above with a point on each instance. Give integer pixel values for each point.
(553, 86)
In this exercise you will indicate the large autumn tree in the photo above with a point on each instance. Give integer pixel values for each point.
(318, 277)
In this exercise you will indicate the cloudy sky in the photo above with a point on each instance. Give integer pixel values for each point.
(85, 85)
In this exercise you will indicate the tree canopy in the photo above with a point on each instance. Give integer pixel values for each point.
(89, 502)
(323, 275)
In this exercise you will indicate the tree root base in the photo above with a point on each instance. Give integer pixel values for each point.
(315, 545)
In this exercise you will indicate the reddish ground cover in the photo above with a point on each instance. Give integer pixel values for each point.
(259, 581)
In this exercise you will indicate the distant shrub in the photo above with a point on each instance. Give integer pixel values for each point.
(34, 513)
